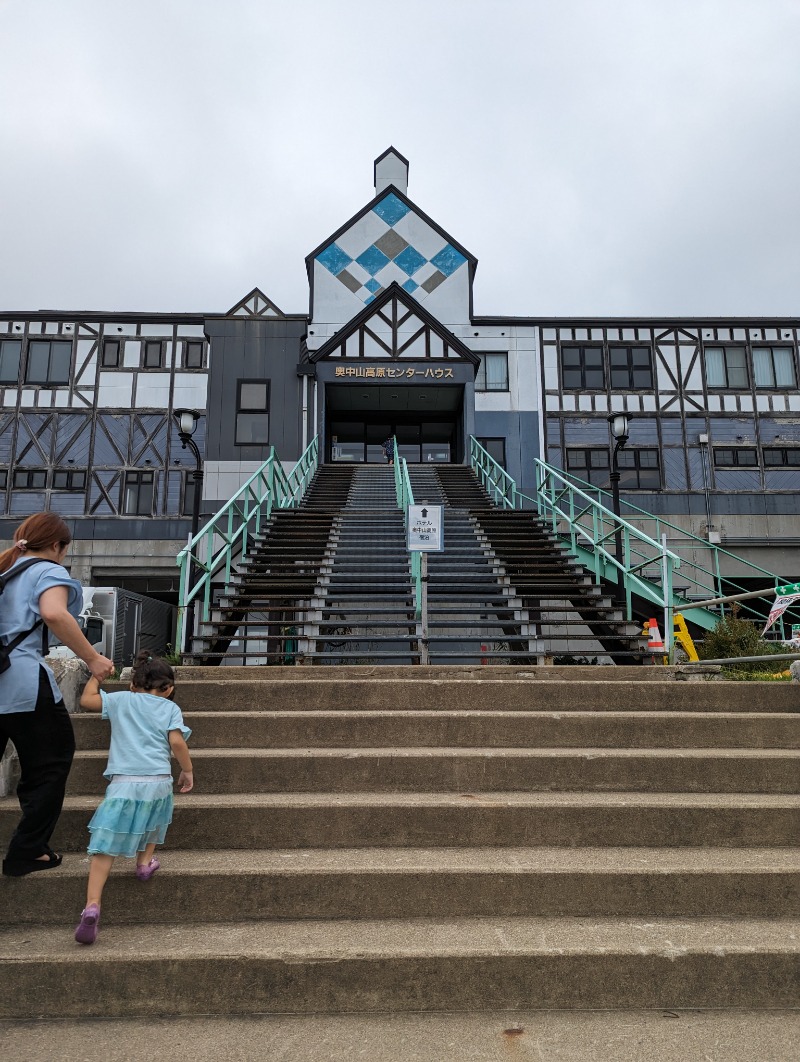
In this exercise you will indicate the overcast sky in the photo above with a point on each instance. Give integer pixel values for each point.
(597, 156)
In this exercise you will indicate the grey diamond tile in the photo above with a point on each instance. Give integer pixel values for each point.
(349, 280)
(433, 281)
(391, 244)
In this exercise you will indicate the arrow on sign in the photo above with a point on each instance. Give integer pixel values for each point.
(424, 513)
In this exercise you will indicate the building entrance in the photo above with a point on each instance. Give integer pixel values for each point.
(356, 435)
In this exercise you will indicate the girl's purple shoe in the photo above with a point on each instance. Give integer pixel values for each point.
(145, 871)
(86, 930)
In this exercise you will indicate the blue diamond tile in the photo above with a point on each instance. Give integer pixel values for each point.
(410, 260)
(372, 260)
(448, 260)
(410, 286)
(369, 300)
(391, 209)
(334, 259)
(373, 284)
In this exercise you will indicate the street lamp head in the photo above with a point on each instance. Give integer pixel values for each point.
(619, 422)
(187, 420)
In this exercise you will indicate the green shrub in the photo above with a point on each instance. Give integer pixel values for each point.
(734, 637)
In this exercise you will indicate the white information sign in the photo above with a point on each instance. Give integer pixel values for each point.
(425, 528)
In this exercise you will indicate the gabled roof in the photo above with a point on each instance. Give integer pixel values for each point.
(391, 190)
(394, 293)
(255, 304)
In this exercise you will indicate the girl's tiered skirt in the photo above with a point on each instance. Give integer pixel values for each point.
(136, 812)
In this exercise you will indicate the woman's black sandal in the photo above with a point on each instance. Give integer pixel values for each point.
(18, 868)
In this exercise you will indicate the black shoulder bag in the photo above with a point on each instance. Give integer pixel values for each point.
(8, 648)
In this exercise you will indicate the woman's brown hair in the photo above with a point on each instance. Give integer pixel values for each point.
(39, 532)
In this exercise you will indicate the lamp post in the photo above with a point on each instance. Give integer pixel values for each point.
(618, 423)
(187, 421)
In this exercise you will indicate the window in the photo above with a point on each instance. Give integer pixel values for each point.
(48, 361)
(726, 367)
(631, 368)
(112, 349)
(30, 479)
(69, 479)
(193, 354)
(496, 448)
(582, 368)
(590, 465)
(153, 354)
(189, 487)
(773, 367)
(639, 470)
(492, 373)
(781, 456)
(735, 457)
(138, 499)
(252, 413)
(3, 479)
(10, 351)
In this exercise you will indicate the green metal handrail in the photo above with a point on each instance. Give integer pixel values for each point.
(580, 514)
(405, 497)
(226, 536)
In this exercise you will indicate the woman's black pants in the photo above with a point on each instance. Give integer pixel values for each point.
(45, 744)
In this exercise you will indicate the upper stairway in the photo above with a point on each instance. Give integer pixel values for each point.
(330, 583)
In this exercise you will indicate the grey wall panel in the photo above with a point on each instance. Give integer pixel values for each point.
(673, 463)
(243, 349)
(521, 432)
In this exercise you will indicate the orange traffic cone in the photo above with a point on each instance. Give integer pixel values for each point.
(655, 643)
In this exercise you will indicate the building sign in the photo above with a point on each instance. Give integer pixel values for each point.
(389, 372)
(425, 531)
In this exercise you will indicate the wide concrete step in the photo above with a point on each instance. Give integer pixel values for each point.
(400, 964)
(318, 690)
(463, 819)
(478, 770)
(368, 729)
(425, 882)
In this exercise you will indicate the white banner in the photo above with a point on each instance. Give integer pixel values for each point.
(779, 607)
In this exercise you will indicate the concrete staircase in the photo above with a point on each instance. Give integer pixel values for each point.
(432, 839)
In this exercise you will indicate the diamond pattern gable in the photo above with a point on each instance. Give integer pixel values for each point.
(390, 231)
(395, 325)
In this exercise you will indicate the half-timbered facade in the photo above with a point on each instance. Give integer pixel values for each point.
(390, 345)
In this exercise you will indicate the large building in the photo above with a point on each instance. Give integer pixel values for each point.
(390, 344)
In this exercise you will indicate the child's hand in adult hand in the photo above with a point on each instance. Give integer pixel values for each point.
(186, 781)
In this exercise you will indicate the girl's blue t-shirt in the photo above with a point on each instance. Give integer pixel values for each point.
(19, 610)
(140, 726)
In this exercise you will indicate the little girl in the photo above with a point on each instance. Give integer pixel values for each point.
(137, 809)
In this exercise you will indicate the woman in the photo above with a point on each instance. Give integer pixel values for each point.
(32, 711)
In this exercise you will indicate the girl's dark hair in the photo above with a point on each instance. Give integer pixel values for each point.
(38, 532)
(151, 672)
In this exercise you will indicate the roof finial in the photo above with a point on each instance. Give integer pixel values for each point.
(391, 168)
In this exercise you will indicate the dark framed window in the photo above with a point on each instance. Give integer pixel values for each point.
(773, 367)
(492, 372)
(639, 469)
(631, 368)
(112, 352)
(726, 367)
(189, 487)
(3, 478)
(496, 448)
(10, 353)
(735, 457)
(193, 354)
(582, 368)
(590, 464)
(69, 479)
(139, 490)
(153, 354)
(781, 456)
(49, 361)
(252, 413)
(30, 479)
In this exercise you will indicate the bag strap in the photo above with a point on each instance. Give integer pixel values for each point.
(18, 569)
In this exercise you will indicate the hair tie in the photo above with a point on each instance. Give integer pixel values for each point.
(22, 544)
